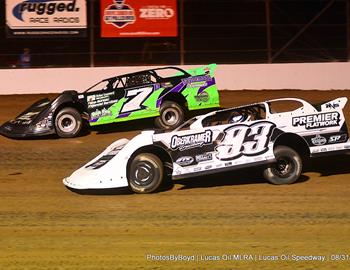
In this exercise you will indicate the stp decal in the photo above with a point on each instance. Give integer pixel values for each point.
(247, 140)
(138, 18)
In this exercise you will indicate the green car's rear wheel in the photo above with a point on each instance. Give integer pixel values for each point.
(171, 116)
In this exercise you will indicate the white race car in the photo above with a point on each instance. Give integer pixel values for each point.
(245, 136)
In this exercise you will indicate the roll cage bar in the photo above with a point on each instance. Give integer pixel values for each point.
(143, 75)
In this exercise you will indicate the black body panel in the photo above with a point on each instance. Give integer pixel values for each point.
(38, 119)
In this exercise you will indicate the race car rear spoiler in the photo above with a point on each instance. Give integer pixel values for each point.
(335, 104)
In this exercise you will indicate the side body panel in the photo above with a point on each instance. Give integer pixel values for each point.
(219, 148)
(108, 169)
(131, 103)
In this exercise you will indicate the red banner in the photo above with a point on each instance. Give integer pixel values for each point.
(138, 18)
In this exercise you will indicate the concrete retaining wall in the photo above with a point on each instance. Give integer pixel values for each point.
(305, 76)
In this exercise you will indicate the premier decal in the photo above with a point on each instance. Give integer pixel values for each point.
(314, 121)
(245, 140)
(191, 141)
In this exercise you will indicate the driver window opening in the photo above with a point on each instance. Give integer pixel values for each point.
(282, 106)
(238, 115)
(138, 80)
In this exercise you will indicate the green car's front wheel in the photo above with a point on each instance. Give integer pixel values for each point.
(171, 116)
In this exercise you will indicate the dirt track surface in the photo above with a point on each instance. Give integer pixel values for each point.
(43, 225)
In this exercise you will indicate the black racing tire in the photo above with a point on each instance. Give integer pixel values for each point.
(68, 123)
(146, 173)
(287, 168)
(171, 115)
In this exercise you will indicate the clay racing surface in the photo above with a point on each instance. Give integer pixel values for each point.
(43, 225)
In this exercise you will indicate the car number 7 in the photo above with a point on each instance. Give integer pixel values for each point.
(135, 99)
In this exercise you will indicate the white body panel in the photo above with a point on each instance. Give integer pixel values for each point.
(113, 173)
(226, 139)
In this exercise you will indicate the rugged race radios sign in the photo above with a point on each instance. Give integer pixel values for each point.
(138, 18)
(46, 17)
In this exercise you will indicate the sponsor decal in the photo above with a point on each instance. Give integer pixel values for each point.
(208, 167)
(332, 105)
(197, 79)
(197, 169)
(338, 138)
(204, 157)
(100, 113)
(119, 14)
(99, 100)
(46, 17)
(138, 18)
(43, 104)
(191, 141)
(9, 128)
(46, 122)
(202, 97)
(245, 140)
(320, 120)
(227, 164)
(318, 140)
(25, 119)
(184, 161)
(105, 158)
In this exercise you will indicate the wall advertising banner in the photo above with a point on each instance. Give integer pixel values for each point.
(138, 18)
(37, 18)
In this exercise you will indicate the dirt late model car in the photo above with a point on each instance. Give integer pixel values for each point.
(164, 93)
(246, 136)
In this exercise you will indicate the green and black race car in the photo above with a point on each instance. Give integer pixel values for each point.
(164, 93)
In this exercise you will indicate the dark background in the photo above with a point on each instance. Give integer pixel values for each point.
(220, 31)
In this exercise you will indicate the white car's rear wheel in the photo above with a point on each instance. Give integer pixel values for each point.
(145, 173)
(286, 169)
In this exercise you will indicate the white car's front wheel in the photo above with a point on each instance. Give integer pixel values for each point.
(145, 173)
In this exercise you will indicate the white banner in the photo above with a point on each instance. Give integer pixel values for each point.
(25, 17)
